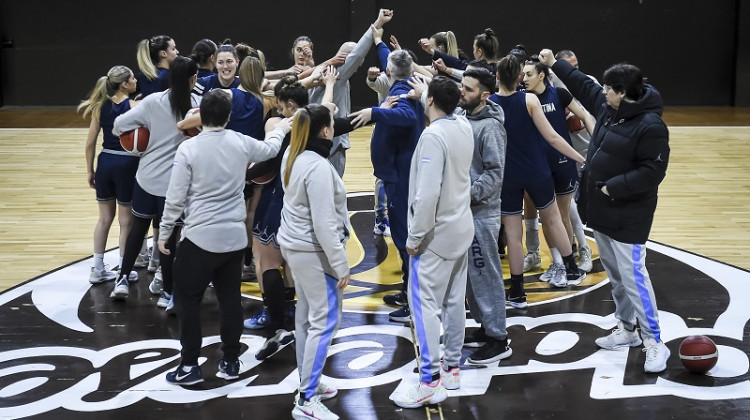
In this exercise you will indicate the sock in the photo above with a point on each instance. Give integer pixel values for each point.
(155, 254)
(273, 288)
(556, 257)
(570, 264)
(516, 281)
(575, 220)
(435, 379)
(121, 258)
(532, 235)
(248, 256)
(289, 294)
(99, 262)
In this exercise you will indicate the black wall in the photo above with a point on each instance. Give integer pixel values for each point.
(694, 52)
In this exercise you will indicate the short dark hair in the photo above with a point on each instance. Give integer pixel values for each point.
(564, 54)
(445, 93)
(484, 77)
(625, 78)
(215, 108)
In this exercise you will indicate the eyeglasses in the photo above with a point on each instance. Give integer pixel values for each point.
(607, 88)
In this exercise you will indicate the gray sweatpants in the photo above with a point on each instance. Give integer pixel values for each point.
(318, 314)
(437, 287)
(485, 289)
(631, 285)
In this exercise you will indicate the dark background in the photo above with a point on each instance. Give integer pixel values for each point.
(697, 53)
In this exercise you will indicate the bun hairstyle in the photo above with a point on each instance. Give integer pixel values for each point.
(104, 89)
(508, 69)
(308, 121)
(244, 51)
(488, 43)
(202, 51)
(519, 51)
(148, 54)
(538, 66)
(290, 89)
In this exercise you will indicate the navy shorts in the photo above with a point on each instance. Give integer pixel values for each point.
(115, 177)
(565, 176)
(268, 213)
(542, 193)
(147, 206)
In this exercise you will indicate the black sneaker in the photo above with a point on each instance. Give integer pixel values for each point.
(401, 315)
(575, 278)
(398, 299)
(184, 375)
(516, 298)
(493, 351)
(476, 339)
(228, 370)
(274, 344)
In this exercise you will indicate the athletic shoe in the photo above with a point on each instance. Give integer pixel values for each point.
(248, 272)
(154, 266)
(121, 290)
(274, 344)
(474, 340)
(184, 375)
(575, 278)
(584, 259)
(560, 277)
(142, 260)
(164, 299)
(157, 286)
(259, 321)
(400, 315)
(312, 409)
(397, 299)
(228, 370)
(382, 227)
(657, 355)
(532, 261)
(494, 351)
(170, 306)
(551, 271)
(100, 276)
(325, 392)
(516, 298)
(133, 277)
(450, 378)
(421, 394)
(620, 337)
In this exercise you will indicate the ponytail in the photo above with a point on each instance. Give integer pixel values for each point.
(508, 69)
(180, 72)
(105, 88)
(451, 46)
(145, 64)
(298, 143)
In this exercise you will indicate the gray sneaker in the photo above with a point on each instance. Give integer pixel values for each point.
(559, 277)
(585, 263)
(121, 290)
(619, 338)
(100, 276)
(551, 271)
(156, 286)
(531, 261)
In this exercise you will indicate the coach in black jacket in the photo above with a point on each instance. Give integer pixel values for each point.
(626, 161)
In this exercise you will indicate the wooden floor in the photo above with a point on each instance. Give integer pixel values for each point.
(47, 211)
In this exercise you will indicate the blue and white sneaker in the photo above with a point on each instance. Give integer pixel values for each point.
(164, 299)
(100, 276)
(185, 375)
(170, 306)
(121, 289)
(382, 227)
(400, 315)
(259, 321)
(274, 344)
(228, 370)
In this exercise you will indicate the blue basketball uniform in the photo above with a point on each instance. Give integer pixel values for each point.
(564, 170)
(206, 84)
(115, 168)
(148, 86)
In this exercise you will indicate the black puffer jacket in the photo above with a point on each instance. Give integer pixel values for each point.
(628, 153)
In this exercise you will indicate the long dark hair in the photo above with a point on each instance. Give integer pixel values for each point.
(180, 72)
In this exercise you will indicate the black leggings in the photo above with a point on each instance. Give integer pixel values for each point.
(133, 248)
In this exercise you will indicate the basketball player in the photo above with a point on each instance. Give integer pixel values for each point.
(154, 57)
(226, 72)
(204, 54)
(619, 193)
(440, 232)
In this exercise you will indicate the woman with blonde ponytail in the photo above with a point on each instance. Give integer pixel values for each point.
(115, 171)
(313, 233)
(154, 57)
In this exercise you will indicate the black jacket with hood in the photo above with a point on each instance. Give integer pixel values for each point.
(628, 153)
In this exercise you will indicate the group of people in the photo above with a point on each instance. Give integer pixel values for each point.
(497, 151)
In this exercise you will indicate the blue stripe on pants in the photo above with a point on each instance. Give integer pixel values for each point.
(416, 310)
(640, 283)
(325, 338)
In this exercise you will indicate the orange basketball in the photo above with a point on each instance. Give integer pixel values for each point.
(698, 353)
(572, 122)
(263, 179)
(192, 132)
(135, 141)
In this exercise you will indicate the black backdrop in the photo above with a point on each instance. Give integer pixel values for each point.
(695, 52)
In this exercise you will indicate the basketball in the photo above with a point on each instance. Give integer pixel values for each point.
(698, 353)
(194, 131)
(135, 141)
(263, 179)
(572, 122)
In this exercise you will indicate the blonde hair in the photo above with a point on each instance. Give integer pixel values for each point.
(298, 142)
(251, 75)
(148, 54)
(104, 89)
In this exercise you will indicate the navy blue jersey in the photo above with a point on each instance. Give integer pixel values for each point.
(247, 114)
(148, 86)
(525, 157)
(204, 73)
(211, 82)
(554, 103)
(109, 112)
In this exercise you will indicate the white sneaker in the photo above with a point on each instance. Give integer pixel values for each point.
(421, 394)
(312, 410)
(164, 299)
(451, 379)
(121, 290)
(657, 355)
(133, 277)
(584, 262)
(142, 260)
(559, 277)
(619, 338)
(156, 286)
(325, 392)
(532, 261)
(100, 276)
(550, 273)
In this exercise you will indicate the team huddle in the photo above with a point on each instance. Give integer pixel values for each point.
(242, 179)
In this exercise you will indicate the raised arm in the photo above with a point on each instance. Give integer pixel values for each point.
(578, 83)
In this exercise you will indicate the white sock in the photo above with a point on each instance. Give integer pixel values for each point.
(99, 261)
(532, 234)
(155, 254)
(121, 258)
(556, 257)
(575, 220)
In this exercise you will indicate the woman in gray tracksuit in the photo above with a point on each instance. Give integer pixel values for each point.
(313, 233)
